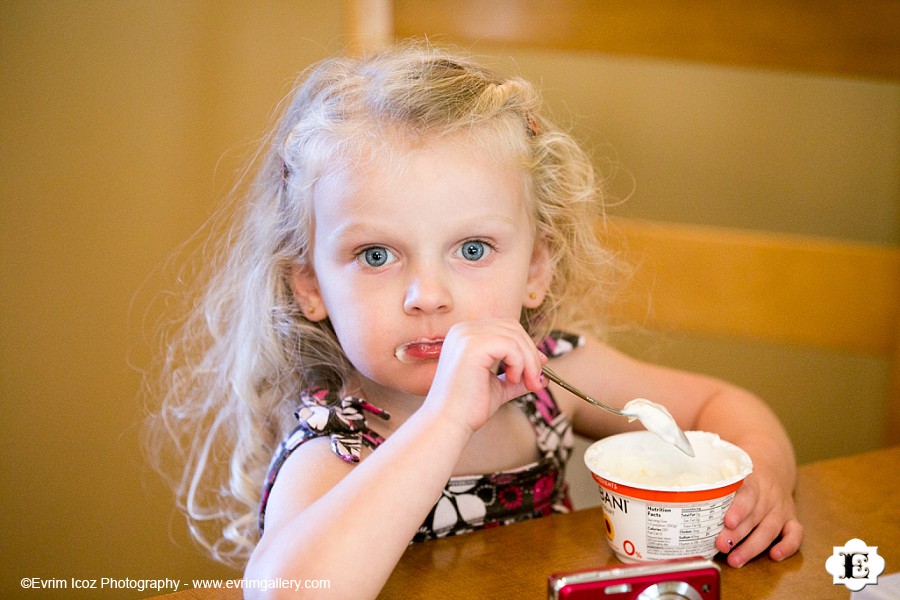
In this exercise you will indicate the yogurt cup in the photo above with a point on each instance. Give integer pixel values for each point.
(659, 503)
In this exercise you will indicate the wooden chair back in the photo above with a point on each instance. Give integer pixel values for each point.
(792, 289)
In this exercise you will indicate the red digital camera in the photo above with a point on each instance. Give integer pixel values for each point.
(690, 578)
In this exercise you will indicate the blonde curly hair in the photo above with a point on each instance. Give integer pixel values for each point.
(236, 361)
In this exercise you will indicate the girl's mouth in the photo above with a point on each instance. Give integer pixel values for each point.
(419, 351)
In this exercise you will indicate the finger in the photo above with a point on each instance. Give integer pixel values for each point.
(532, 375)
(516, 390)
(736, 540)
(791, 537)
(741, 508)
(515, 361)
(540, 381)
(755, 543)
(528, 375)
(739, 519)
(524, 360)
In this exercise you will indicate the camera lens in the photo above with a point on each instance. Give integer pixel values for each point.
(670, 590)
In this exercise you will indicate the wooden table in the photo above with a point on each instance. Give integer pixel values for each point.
(837, 500)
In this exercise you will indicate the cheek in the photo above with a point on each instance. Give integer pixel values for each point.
(356, 324)
(355, 340)
(504, 293)
(349, 326)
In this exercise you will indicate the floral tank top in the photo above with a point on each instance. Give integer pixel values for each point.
(468, 502)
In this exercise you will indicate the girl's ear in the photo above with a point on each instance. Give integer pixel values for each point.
(307, 294)
(539, 274)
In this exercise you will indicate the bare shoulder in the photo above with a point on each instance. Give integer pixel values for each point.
(309, 472)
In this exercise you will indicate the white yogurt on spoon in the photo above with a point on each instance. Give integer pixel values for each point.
(658, 420)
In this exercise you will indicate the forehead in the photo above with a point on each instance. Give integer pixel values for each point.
(405, 174)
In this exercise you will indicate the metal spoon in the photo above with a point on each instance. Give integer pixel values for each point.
(679, 440)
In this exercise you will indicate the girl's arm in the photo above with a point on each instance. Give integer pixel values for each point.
(351, 524)
(763, 509)
(326, 519)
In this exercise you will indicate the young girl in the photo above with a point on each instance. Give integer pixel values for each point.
(367, 352)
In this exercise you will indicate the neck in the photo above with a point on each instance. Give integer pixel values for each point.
(400, 405)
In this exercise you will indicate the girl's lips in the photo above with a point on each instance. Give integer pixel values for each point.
(419, 351)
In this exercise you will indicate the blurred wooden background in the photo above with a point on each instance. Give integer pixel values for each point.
(125, 123)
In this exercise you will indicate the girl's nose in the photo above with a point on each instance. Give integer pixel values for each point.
(427, 293)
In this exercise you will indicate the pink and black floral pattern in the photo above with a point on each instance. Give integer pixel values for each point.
(467, 503)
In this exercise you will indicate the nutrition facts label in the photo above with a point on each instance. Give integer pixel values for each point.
(678, 530)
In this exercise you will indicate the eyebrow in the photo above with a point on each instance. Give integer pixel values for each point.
(366, 226)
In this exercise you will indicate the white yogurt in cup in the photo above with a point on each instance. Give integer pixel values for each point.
(659, 503)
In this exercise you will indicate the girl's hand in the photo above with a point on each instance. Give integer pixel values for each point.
(763, 509)
(762, 512)
(466, 386)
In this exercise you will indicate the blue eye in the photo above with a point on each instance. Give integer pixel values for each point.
(474, 250)
(376, 256)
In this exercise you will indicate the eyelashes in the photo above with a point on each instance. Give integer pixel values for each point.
(474, 250)
(376, 257)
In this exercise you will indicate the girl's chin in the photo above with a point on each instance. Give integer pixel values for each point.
(414, 382)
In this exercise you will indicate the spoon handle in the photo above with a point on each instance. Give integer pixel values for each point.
(552, 376)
